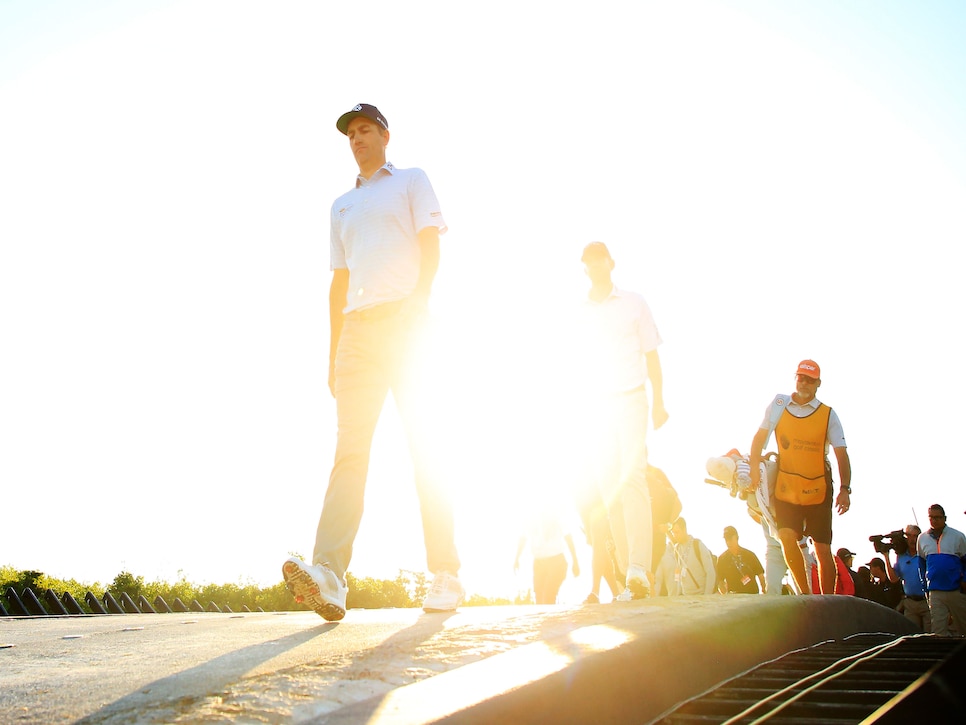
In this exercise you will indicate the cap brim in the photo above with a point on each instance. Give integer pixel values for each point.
(343, 123)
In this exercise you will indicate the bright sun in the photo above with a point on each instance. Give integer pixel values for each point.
(507, 423)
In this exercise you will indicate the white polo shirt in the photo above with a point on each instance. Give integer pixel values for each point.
(374, 234)
(618, 332)
(835, 436)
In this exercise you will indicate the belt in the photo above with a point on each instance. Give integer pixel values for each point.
(915, 597)
(376, 312)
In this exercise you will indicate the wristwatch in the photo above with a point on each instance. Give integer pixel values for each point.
(847, 489)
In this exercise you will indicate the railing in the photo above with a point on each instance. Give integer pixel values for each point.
(48, 604)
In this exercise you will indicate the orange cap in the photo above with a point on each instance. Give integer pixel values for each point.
(809, 368)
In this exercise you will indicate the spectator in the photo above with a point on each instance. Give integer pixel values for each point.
(847, 557)
(687, 567)
(843, 580)
(910, 569)
(665, 507)
(739, 570)
(548, 544)
(944, 550)
(881, 590)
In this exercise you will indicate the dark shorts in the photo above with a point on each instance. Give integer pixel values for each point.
(814, 521)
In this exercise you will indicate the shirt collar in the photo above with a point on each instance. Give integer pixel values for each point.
(614, 293)
(813, 403)
(387, 167)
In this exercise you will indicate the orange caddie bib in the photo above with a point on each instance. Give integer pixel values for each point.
(801, 457)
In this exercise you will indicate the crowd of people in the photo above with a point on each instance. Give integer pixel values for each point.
(384, 255)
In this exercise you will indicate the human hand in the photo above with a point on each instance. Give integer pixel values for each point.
(755, 473)
(659, 415)
(843, 501)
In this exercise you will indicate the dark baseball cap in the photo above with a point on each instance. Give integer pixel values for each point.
(845, 554)
(595, 250)
(877, 562)
(361, 109)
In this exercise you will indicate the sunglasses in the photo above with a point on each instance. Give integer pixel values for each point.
(806, 379)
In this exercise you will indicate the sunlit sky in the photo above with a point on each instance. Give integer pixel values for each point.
(780, 180)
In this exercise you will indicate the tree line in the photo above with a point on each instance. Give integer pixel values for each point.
(406, 590)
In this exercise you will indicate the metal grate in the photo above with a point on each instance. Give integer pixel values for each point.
(834, 682)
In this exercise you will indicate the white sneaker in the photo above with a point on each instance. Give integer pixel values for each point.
(445, 594)
(637, 582)
(625, 596)
(317, 586)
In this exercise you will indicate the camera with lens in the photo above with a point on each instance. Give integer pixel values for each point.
(894, 540)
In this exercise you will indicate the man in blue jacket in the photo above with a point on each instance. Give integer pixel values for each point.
(944, 549)
(910, 569)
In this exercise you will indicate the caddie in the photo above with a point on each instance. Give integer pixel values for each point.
(804, 429)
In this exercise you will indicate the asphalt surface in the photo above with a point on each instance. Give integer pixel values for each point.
(480, 664)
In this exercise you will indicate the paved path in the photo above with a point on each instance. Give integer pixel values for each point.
(274, 667)
(402, 665)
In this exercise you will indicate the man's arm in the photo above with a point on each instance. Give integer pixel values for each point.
(754, 458)
(843, 500)
(337, 302)
(428, 264)
(890, 571)
(658, 414)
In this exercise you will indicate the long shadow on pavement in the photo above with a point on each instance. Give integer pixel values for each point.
(199, 681)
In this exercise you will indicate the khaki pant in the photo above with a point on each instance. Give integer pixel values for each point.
(621, 475)
(942, 606)
(917, 612)
(375, 355)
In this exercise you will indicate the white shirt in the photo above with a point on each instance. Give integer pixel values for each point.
(618, 332)
(546, 535)
(835, 436)
(374, 234)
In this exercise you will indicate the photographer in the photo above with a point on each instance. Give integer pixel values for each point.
(910, 569)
